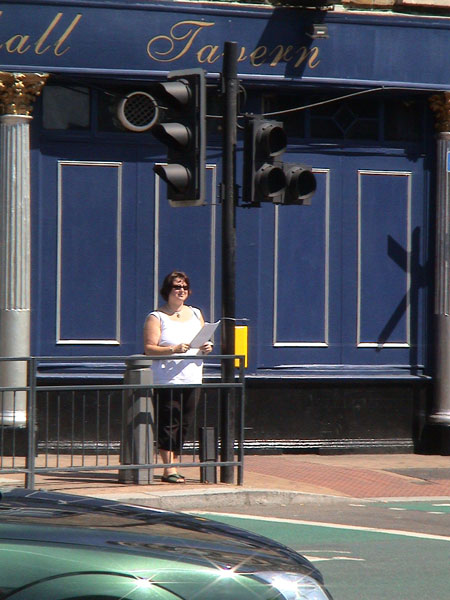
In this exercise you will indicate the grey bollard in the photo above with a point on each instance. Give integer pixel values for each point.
(138, 422)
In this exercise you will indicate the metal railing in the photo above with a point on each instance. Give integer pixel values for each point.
(79, 429)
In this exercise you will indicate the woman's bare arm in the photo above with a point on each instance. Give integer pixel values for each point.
(152, 335)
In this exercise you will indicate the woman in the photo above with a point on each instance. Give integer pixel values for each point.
(168, 331)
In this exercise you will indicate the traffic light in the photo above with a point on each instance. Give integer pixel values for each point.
(183, 131)
(300, 184)
(264, 142)
(266, 177)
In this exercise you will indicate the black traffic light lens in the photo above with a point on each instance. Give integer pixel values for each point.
(301, 184)
(174, 135)
(176, 176)
(176, 93)
(271, 139)
(270, 180)
(306, 184)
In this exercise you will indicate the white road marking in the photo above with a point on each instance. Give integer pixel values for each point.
(324, 558)
(426, 536)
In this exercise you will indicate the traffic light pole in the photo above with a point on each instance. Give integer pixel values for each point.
(230, 86)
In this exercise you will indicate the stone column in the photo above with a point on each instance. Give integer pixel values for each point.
(439, 419)
(17, 94)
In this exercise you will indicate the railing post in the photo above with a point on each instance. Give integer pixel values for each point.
(138, 415)
(31, 411)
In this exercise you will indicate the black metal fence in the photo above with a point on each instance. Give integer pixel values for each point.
(78, 428)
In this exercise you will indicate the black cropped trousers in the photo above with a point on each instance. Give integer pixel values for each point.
(174, 414)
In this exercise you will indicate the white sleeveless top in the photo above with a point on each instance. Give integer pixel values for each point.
(175, 332)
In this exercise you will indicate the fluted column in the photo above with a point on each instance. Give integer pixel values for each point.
(440, 415)
(17, 94)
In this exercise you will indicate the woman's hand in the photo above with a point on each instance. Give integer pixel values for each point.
(206, 348)
(180, 348)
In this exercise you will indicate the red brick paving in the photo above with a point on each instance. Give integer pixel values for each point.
(355, 476)
(354, 481)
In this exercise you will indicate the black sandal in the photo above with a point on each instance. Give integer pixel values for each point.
(173, 478)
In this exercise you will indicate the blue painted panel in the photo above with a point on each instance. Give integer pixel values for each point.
(90, 235)
(156, 38)
(384, 313)
(186, 242)
(384, 240)
(89, 226)
(302, 268)
(308, 291)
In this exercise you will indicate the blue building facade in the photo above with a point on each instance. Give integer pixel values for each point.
(339, 295)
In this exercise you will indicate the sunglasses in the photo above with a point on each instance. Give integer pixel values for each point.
(178, 286)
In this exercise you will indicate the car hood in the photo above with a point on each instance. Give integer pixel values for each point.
(45, 518)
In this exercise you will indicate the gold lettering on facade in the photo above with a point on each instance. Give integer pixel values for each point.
(313, 61)
(281, 53)
(303, 52)
(242, 55)
(18, 43)
(45, 35)
(65, 35)
(165, 48)
(18, 92)
(181, 37)
(210, 52)
(258, 56)
(168, 48)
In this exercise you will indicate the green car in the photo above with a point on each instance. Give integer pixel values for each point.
(64, 547)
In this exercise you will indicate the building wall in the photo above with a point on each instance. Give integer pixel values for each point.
(335, 293)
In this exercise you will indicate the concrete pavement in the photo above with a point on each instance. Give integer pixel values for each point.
(285, 478)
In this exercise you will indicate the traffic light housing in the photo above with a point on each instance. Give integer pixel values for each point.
(266, 178)
(183, 131)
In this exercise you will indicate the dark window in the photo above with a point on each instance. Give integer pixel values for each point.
(66, 108)
(345, 119)
(294, 120)
(404, 119)
(107, 103)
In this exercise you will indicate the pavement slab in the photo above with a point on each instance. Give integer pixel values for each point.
(287, 478)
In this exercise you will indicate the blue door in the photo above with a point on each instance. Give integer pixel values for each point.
(342, 279)
(104, 237)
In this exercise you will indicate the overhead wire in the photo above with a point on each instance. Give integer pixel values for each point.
(326, 101)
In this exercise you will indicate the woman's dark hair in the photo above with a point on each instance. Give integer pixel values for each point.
(168, 282)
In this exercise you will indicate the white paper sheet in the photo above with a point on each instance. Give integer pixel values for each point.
(203, 336)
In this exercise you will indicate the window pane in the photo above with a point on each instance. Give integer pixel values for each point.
(403, 120)
(66, 108)
(355, 119)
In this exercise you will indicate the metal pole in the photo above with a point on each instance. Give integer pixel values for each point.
(230, 91)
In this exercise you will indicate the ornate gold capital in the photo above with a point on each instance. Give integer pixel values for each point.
(18, 92)
(440, 104)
